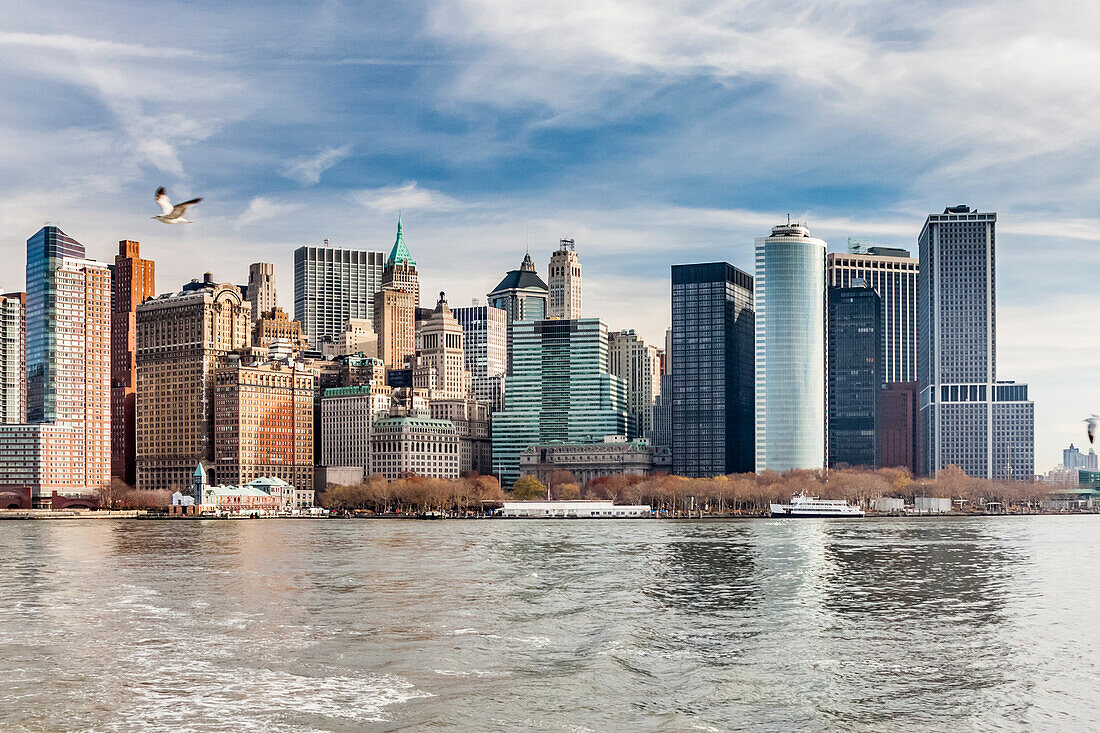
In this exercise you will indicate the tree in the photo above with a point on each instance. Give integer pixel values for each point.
(113, 493)
(528, 488)
(566, 492)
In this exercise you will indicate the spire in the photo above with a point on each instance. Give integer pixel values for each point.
(528, 264)
(400, 252)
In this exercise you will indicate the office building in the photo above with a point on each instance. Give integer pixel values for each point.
(565, 282)
(560, 390)
(261, 289)
(400, 271)
(66, 447)
(471, 420)
(713, 327)
(275, 325)
(13, 358)
(523, 296)
(181, 339)
(898, 426)
(892, 273)
(357, 337)
(263, 422)
(636, 362)
(968, 417)
(485, 341)
(440, 367)
(332, 285)
(132, 284)
(348, 415)
(854, 349)
(395, 324)
(790, 350)
(412, 444)
(1072, 457)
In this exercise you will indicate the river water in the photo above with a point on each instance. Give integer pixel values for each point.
(773, 625)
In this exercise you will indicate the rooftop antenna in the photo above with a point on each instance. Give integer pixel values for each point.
(788, 218)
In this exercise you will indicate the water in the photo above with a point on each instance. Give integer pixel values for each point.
(798, 625)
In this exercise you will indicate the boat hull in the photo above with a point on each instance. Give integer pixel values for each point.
(815, 515)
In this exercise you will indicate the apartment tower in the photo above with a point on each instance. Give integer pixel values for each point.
(133, 283)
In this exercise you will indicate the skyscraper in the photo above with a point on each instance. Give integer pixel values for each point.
(132, 283)
(400, 271)
(180, 339)
(855, 341)
(522, 294)
(261, 289)
(790, 350)
(635, 362)
(893, 275)
(485, 331)
(67, 445)
(13, 358)
(440, 359)
(565, 282)
(332, 285)
(967, 417)
(560, 390)
(713, 326)
(395, 324)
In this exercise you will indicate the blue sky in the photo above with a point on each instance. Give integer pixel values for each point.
(650, 132)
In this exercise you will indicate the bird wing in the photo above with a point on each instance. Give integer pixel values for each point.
(1093, 423)
(181, 208)
(162, 201)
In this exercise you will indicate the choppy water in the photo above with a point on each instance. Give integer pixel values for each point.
(875, 625)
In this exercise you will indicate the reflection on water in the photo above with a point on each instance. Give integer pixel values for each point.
(938, 624)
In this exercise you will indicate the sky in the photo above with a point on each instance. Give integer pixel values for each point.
(650, 132)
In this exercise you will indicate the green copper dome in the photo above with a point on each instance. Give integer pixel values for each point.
(400, 252)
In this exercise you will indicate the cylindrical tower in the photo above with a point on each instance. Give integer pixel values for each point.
(790, 350)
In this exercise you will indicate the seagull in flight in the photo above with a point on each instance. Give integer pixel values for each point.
(1093, 422)
(172, 214)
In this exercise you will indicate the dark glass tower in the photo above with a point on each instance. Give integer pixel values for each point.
(855, 374)
(45, 250)
(713, 370)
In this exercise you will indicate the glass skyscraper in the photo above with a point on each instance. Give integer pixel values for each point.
(855, 341)
(713, 323)
(790, 350)
(486, 335)
(967, 417)
(332, 285)
(560, 391)
(45, 251)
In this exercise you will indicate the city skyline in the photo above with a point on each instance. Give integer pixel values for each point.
(486, 163)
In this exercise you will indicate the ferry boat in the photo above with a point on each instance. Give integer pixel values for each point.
(811, 506)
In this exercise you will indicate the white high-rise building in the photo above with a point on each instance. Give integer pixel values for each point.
(565, 282)
(968, 418)
(261, 289)
(332, 285)
(485, 329)
(440, 360)
(13, 358)
(638, 364)
(790, 350)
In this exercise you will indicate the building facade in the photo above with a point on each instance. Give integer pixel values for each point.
(133, 282)
(636, 362)
(485, 341)
(892, 273)
(968, 418)
(713, 328)
(348, 415)
(588, 461)
(357, 337)
(854, 375)
(560, 390)
(1072, 457)
(440, 367)
(67, 446)
(332, 285)
(898, 426)
(564, 282)
(182, 338)
(13, 358)
(263, 423)
(523, 296)
(471, 420)
(261, 291)
(395, 324)
(275, 325)
(403, 445)
(790, 350)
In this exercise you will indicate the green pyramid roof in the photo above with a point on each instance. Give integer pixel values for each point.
(400, 252)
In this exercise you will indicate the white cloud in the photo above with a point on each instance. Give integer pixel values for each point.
(308, 170)
(90, 46)
(262, 208)
(405, 197)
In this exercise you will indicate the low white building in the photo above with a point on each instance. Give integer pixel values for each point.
(931, 505)
(574, 510)
(889, 505)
